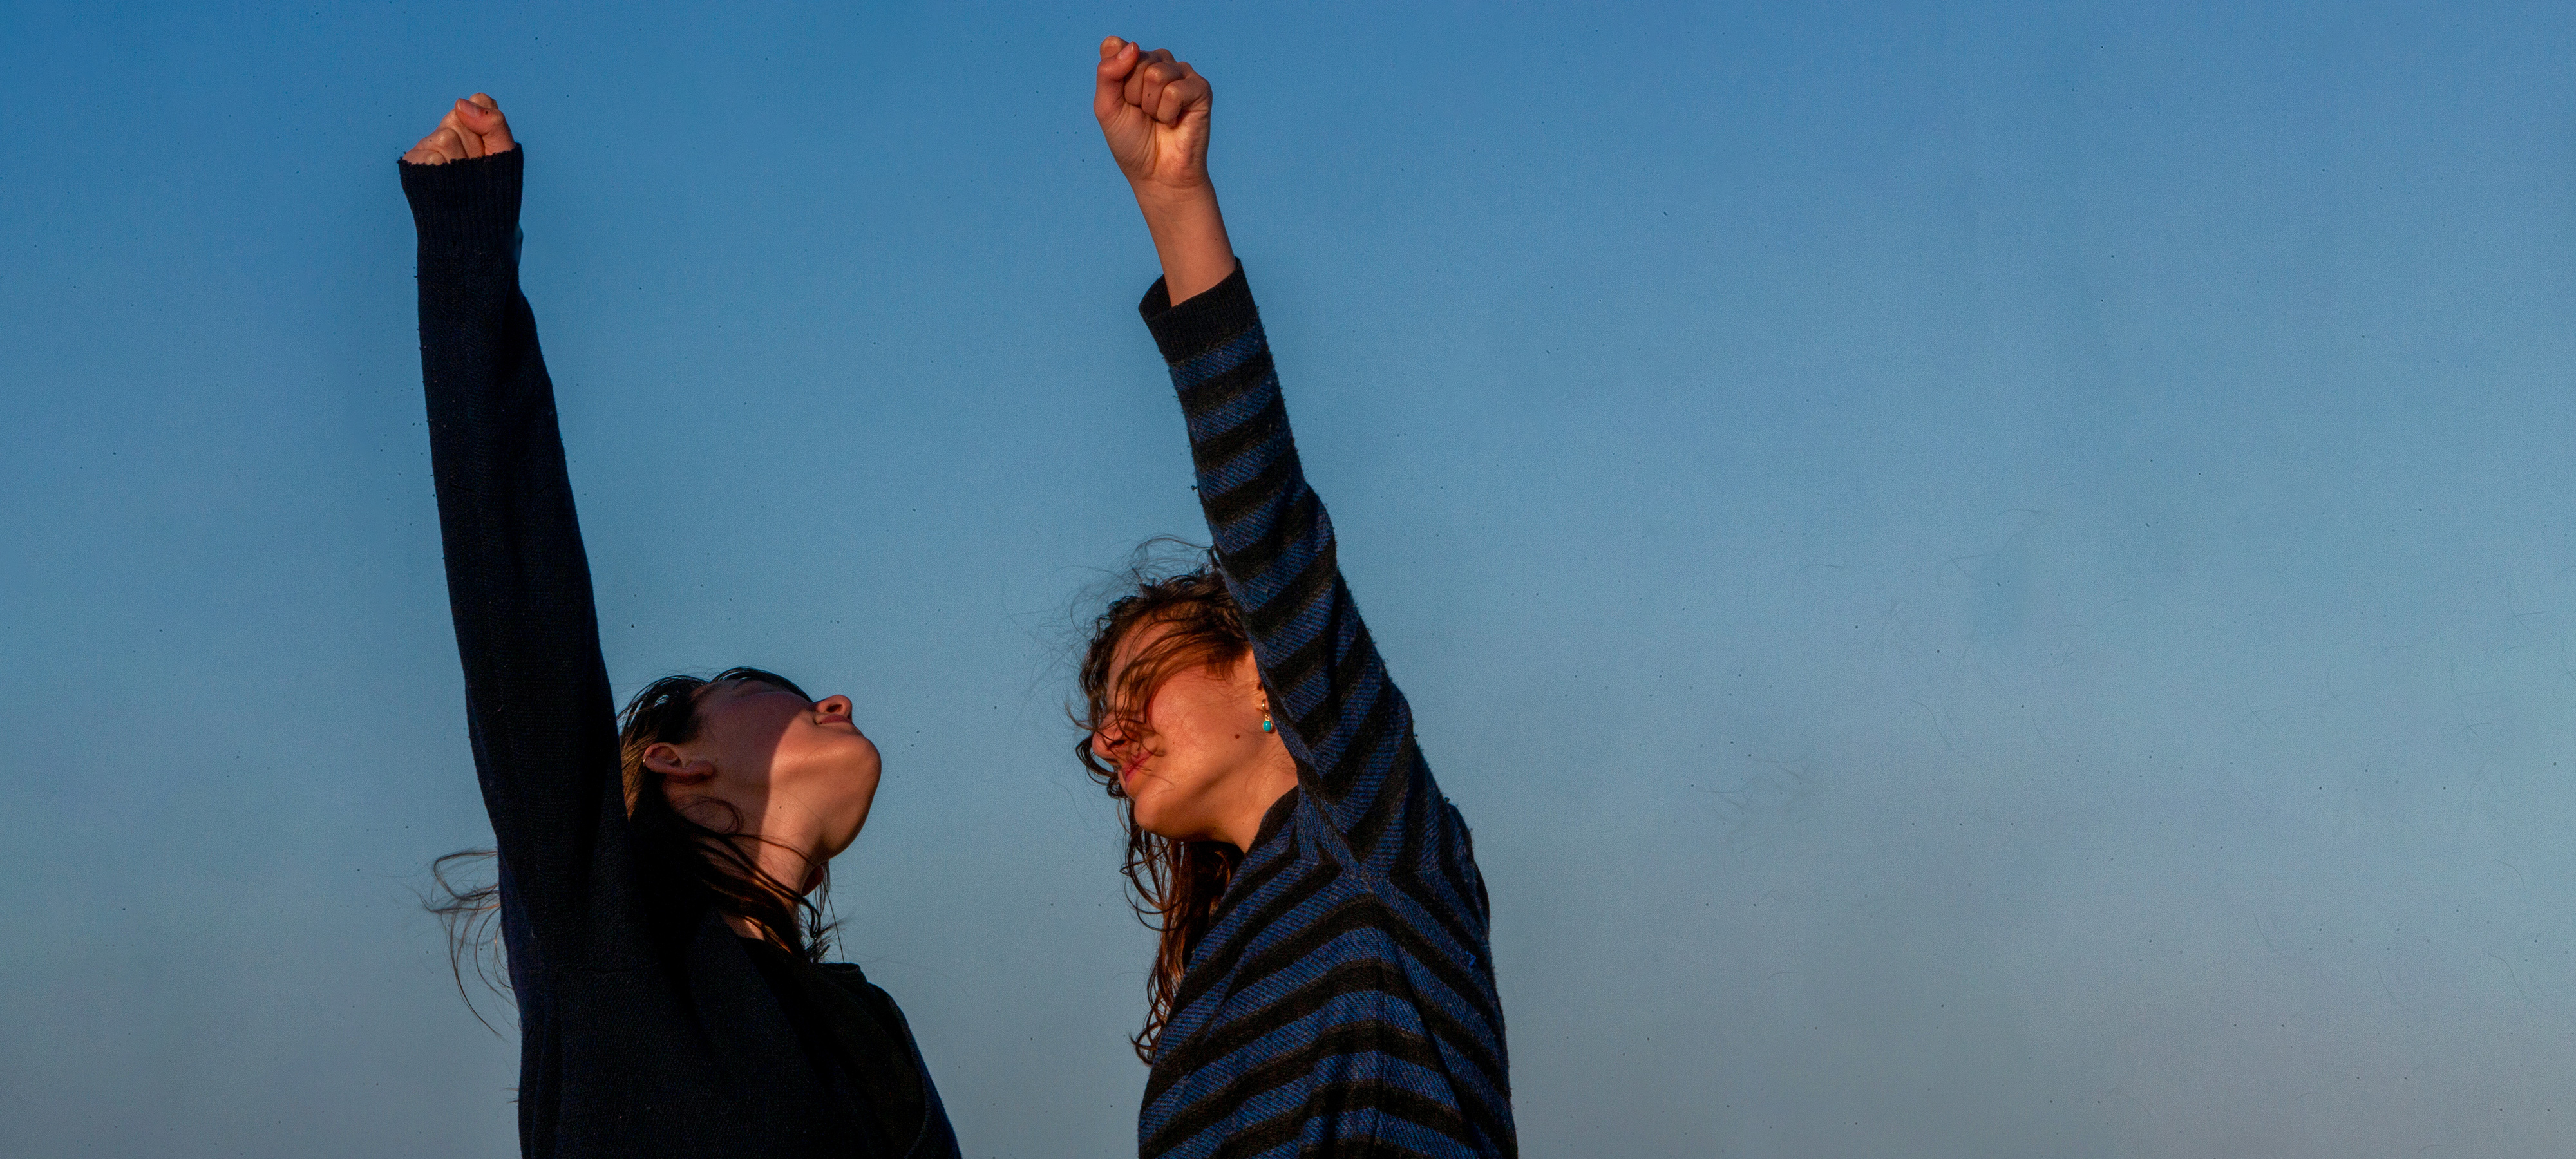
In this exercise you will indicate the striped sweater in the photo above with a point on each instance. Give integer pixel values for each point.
(1342, 1002)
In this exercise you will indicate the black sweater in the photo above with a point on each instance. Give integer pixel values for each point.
(647, 1027)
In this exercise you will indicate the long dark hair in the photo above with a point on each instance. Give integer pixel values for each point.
(680, 858)
(1173, 886)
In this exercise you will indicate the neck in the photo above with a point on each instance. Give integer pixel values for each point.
(794, 858)
(791, 855)
(1261, 787)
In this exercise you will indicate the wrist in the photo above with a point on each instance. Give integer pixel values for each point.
(1167, 203)
(1189, 235)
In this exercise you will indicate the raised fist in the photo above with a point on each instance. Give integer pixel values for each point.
(1154, 111)
(474, 128)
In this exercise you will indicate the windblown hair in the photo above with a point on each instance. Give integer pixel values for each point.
(1174, 886)
(682, 859)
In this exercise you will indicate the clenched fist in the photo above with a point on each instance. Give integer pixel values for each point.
(474, 128)
(1153, 111)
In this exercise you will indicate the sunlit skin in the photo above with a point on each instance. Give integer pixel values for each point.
(1153, 112)
(798, 774)
(1195, 764)
(473, 128)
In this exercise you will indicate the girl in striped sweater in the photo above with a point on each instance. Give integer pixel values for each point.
(1324, 984)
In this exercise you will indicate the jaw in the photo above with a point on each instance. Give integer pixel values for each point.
(1170, 812)
(1225, 805)
(817, 811)
(1145, 800)
(847, 834)
(841, 816)
(837, 792)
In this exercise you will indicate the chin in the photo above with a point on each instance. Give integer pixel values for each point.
(1153, 819)
(1141, 810)
(862, 786)
(849, 783)
(859, 760)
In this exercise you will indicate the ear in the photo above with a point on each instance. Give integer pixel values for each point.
(667, 759)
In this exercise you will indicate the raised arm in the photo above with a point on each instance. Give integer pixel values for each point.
(536, 691)
(1343, 719)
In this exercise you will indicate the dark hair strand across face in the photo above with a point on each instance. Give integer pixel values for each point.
(1174, 886)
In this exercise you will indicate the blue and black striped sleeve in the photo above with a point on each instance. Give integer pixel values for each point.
(1342, 718)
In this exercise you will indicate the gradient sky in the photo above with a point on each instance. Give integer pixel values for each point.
(1994, 580)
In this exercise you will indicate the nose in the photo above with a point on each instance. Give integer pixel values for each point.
(833, 706)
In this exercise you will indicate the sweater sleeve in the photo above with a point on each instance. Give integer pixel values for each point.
(1343, 719)
(536, 690)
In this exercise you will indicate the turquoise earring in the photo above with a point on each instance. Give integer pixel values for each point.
(1266, 726)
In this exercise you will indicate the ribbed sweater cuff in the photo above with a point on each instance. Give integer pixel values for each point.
(1196, 326)
(467, 208)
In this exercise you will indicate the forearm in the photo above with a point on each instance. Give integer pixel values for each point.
(518, 581)
(1189, 237)
(1340, 715)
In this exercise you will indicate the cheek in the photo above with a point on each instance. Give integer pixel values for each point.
(1195, 750)
(1197, 712)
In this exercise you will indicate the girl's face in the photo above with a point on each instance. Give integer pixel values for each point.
(1194, 761)
(787, 764)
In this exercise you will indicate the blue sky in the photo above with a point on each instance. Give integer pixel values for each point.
(1993, 581)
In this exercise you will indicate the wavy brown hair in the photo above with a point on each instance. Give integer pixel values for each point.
(1173, 885)
(682, 859)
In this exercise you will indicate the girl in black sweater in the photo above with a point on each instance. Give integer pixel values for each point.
(655, 865)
